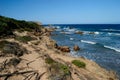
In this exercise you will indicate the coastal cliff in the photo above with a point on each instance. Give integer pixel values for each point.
(28, 53)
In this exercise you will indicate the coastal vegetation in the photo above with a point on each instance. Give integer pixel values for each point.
(11, 48)
(8, 25)
(2, 44)
(79, 63)
(24, 39)
(57, 69)
(49, 60)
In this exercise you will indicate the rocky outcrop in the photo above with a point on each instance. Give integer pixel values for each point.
(79, 32)
(76, 48)
(64, 48)
(91, 32)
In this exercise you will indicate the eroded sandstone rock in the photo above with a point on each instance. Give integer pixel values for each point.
(64, 48)
(76, 48)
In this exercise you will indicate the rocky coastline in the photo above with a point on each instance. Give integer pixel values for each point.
(35, 56)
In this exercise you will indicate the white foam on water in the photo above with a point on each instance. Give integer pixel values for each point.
(89, 42)
(71, 39)
(109, 30)
(66, 28)
(117, 34)
(86, 32)
(96, 32)
(72, 30)
(115, 49)
(110, 33)
(74, 53)
(58, 27)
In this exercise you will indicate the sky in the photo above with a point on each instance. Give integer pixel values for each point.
(63, 11)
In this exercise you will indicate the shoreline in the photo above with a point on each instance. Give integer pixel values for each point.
(43, 48)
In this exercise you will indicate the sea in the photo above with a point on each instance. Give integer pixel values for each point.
(98, 42)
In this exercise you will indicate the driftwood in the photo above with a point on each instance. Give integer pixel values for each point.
(30, 62)
(36, 74)
(14, 73)
(30, 76)
(33, 73)
(39, 76)
(3, 65)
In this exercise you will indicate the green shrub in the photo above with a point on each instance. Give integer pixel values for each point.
(24, 38)
(65, 69)
(8, 25)
(79, 63)
(49, 61)
(3, 43)
(57, 70)
(58, 67)
(11, 48)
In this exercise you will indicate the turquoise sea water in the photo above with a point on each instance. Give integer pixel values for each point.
(102, 46)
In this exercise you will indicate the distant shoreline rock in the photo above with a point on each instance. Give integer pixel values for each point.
(64, 48)
(76, 48)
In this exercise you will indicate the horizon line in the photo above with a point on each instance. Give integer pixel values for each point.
(85, 24)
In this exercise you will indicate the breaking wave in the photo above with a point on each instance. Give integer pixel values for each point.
(110, 30)
(89, 42)
(115, 49)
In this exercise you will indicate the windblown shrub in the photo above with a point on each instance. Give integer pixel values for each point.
(12, 48)
(24, 39)
(8, 25)
(79, 63)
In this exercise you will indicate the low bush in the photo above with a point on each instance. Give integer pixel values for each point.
(24, 39)
(14, 61)
(2, 44)
(11, 48)
(58, 70)
(65, 69)
(8, 25)
(79, 63)
(49, 60)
